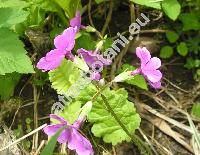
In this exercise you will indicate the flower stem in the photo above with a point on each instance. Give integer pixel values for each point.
(100, 90)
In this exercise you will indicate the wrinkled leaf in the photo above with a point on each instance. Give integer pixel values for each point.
(64, 76)
(12, 54)
(10, 17)
(104, 124)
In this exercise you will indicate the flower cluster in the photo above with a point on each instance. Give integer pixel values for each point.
(64, 44)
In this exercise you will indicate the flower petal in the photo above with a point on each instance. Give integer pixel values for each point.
(90, 57)
(51, 61)
(54, 54)
(79, 143)
(64, 136)
(76, 21)
(152, 75)
(66, 40)
(50, 130)
(143, 54)
(153, 64)
(58, 118)
(136, 71)
(156, 85)
(96, 76)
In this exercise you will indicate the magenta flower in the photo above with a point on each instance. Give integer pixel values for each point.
(149, 67)
(92, 57)
(64, 44)
(76, 21)
(70, 135)
(94, 60)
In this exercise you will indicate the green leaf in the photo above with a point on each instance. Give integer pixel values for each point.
(69, 6)
(12, 54)
(85, 41)
(166, 52)
(138, 80)
(172, 36)
(182, 49)
(10, 17)
(49, 148)
(123, 76)
(192, 63)
(13, 4)
(104, 124)
(7, 85)
(172, 8)
(148, 3)
(71, 111)
(190, 21)
(48, 5)
(64, 76)
(107, 44)
(196, 110)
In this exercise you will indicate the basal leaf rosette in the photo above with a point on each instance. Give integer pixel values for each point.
(64, 76)
(104, 124)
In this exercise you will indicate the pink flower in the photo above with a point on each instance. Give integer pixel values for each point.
(92, 57)
(70, 135)
(149, 67)
(64, 44)
(93, 60)
(76, 21)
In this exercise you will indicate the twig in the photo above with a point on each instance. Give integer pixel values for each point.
(40, 147)
(147, 140)
(108, 18)
(14, 117)
(89, 13)
(156, 30)
(90, 19)
(164, 127)
(22, 138)
(172, 121)
(132, 11)
(172, 97)
(36, 95)
(177, 87)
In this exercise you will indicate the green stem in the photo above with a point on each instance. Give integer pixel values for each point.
(100, 90)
